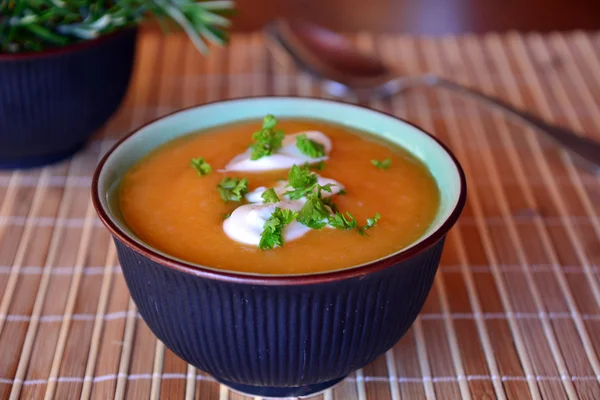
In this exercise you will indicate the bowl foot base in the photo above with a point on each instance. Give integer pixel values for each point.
(40, 161)
(278, 392)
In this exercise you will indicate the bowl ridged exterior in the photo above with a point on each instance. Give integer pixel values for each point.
(279, 336)
(50, 104)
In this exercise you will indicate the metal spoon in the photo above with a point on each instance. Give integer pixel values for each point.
(343, 69)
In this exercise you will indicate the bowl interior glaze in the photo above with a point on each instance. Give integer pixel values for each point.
(442, 165)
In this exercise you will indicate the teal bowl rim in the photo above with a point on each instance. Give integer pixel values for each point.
(278, 280)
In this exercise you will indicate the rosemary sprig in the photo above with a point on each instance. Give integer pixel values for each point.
(33, 25)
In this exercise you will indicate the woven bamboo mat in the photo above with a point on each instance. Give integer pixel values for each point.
(515, 309)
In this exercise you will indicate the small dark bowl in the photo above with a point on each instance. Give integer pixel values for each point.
(270, 335)
(51, 102)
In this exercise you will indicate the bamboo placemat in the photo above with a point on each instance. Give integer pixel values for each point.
(515, 309)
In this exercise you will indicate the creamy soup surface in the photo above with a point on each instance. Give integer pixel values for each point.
(170, 207)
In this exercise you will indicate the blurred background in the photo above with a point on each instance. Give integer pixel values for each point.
(426, 16)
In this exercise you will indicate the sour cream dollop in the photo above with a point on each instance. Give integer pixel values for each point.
(281, 187)
(247, 222)
(285, 157)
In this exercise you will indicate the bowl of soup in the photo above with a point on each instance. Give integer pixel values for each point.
(279, 243)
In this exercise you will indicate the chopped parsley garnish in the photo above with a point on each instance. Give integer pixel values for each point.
(269, 196)
(342, 222)
(309, 147)
(320, 166)
(342, 192)
(314, 213)
(227, 215)
(272, 235)
(300, 177)
(371, 222)
(347, 222)
(384, 164)
(267, 140)
(326, 188)
(302, 181)
(233, 189)
(201, 166)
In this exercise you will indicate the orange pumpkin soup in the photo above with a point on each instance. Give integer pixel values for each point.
(174, 208)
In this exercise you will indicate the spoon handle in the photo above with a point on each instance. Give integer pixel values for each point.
(588, 149)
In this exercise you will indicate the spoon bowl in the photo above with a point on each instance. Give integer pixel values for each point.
(343, 70)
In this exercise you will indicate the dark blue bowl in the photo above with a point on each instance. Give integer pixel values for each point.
(268, 335)
(285, 340)
(52, 102)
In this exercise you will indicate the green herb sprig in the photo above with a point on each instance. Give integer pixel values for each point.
(309, 147)
(232, 189)
(269, 196)
(371, 222)
(201, 166)
(302, 181)
(315, 213)
(383, 164)
(342, 222)
(318, 212)
(272, 235)
(35, 25)
(267, 139)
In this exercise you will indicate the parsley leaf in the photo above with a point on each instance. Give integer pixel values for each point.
(201, 166)
(341, 221)
(233, 189)
(326, 188)
(309, 147)
(316, 210)
(272, 235)
(302, 181)
(300, 177)
(320, 166)
(371, 222)
(269, 196)
(314, 213)
(267, 140)
(342, 192)
(384, 164)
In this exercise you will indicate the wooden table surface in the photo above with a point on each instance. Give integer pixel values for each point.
(515, 309)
